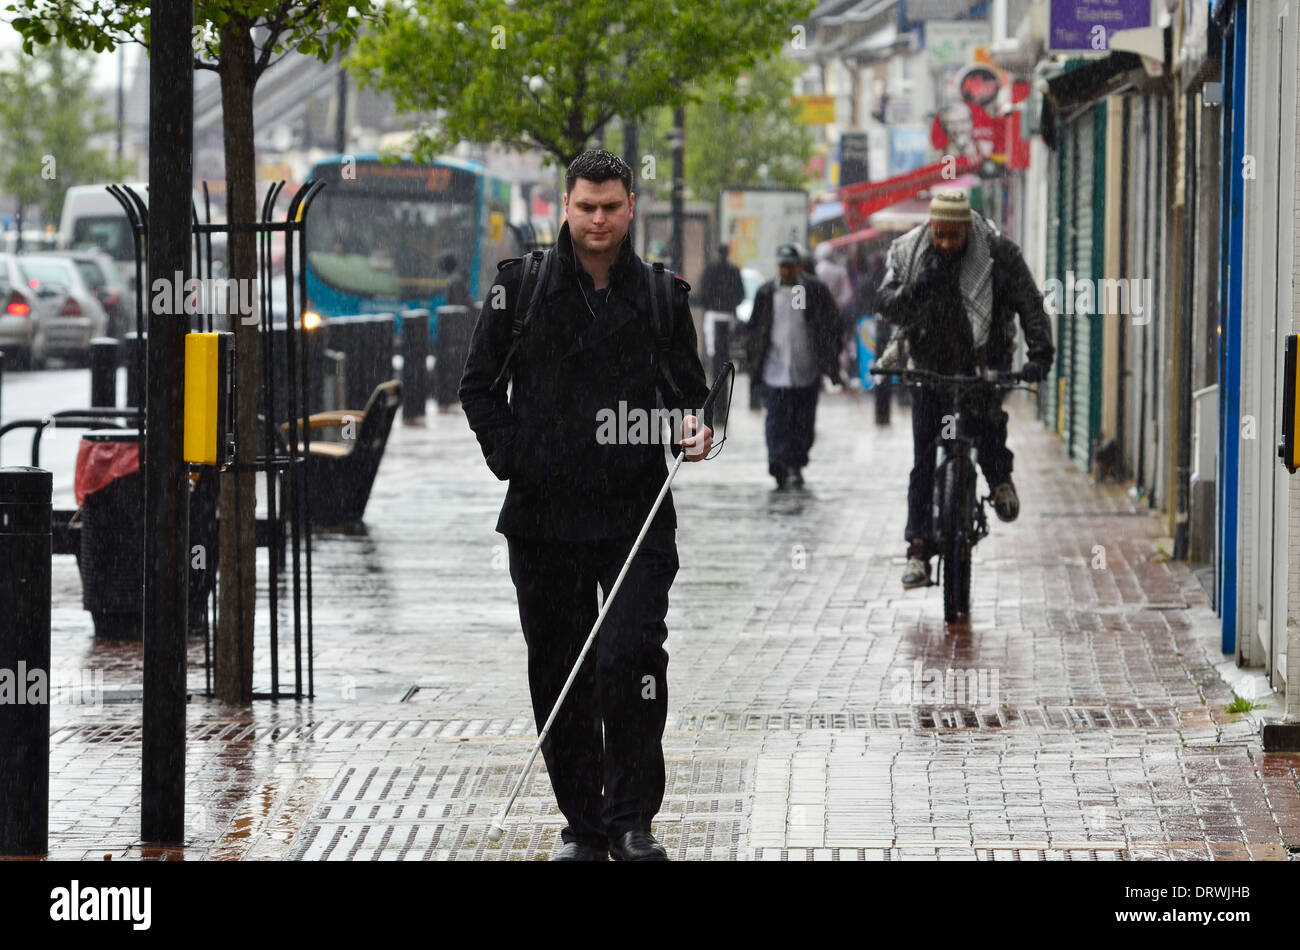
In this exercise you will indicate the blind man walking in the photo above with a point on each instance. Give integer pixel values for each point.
(577, 499)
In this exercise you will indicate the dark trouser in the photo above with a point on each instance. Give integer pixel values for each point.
(622, 686)
(985, 422)
(791, 414)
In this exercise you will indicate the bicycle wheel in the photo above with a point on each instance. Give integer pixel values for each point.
(958, 486)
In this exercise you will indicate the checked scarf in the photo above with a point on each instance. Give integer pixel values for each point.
(976, 278)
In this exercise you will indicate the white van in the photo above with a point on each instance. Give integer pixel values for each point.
(93, 219)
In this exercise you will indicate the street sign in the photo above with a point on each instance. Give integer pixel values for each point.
(855, 152)
(815, 109)
(1085, 26)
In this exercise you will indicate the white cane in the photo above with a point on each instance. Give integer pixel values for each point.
(495, 831)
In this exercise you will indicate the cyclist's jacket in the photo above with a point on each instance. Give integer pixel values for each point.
(935, 323)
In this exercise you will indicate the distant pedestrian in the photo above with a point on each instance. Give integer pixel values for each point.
(721, 292)
(834, 275)
(836, 278)
(457, 292)
(864, 305)
(793, 340)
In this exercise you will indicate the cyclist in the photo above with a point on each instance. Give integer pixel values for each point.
(952, 286)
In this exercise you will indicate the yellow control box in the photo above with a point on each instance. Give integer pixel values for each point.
(1289, 448)
(207, 397)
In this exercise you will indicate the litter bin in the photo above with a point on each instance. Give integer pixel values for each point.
(110, 493)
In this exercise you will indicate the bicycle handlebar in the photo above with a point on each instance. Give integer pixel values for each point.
(922, 375)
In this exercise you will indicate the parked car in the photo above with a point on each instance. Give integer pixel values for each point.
(32, 241)
(93, 220)
(25, 312)
(81, 317)
(102, 275)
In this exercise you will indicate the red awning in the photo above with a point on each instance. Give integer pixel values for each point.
(865, 198)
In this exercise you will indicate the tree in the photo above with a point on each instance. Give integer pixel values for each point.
(239, 40)
(759, 141)
(47, 117)
(547, 74)
(760, 146)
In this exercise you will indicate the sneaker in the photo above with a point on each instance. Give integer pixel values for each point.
(1006, 502)
(917, 573)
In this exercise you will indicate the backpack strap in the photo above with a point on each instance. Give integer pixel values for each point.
(525, 304)
(660, 280)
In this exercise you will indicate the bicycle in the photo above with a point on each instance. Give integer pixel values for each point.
(958, 523)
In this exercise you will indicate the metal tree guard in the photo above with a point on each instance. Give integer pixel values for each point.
(284, 449)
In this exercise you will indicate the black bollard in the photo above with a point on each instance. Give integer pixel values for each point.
(133, 355)
(415, 369)
(382, 346)
(450, 351)
(103, 372)
(25, 661)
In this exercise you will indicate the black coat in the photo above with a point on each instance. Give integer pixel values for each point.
(567, 376)
(823, 321)
(721, 287)
(1014, 292)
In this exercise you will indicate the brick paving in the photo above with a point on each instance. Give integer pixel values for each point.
(817, 710)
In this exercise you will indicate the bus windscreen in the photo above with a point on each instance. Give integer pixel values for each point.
(380, 244)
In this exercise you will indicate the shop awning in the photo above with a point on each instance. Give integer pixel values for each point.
(1084, 84)
(827, 211)
(902, 216)
(866, 198)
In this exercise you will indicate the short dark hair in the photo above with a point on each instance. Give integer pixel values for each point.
(597, 165)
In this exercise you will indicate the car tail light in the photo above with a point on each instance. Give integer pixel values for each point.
(70, 308)
(18, 306)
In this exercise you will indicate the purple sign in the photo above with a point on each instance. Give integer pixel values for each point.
(1085, 26)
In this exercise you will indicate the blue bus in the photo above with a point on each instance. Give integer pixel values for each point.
(375, 233)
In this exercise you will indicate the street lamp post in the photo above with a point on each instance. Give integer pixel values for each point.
(677, 138)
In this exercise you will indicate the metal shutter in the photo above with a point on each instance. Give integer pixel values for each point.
(1053, 271)
(1079, 410)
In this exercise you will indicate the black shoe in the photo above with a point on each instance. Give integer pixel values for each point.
(637, 846)
(779, 471)
(1006, 503)
(577, 851)
(796, 478)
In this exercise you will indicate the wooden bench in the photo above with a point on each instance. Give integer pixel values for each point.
(340, 474)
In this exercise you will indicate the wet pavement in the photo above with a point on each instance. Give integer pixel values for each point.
(817, 711)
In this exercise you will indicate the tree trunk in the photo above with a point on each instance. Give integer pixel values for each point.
(235, 609)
